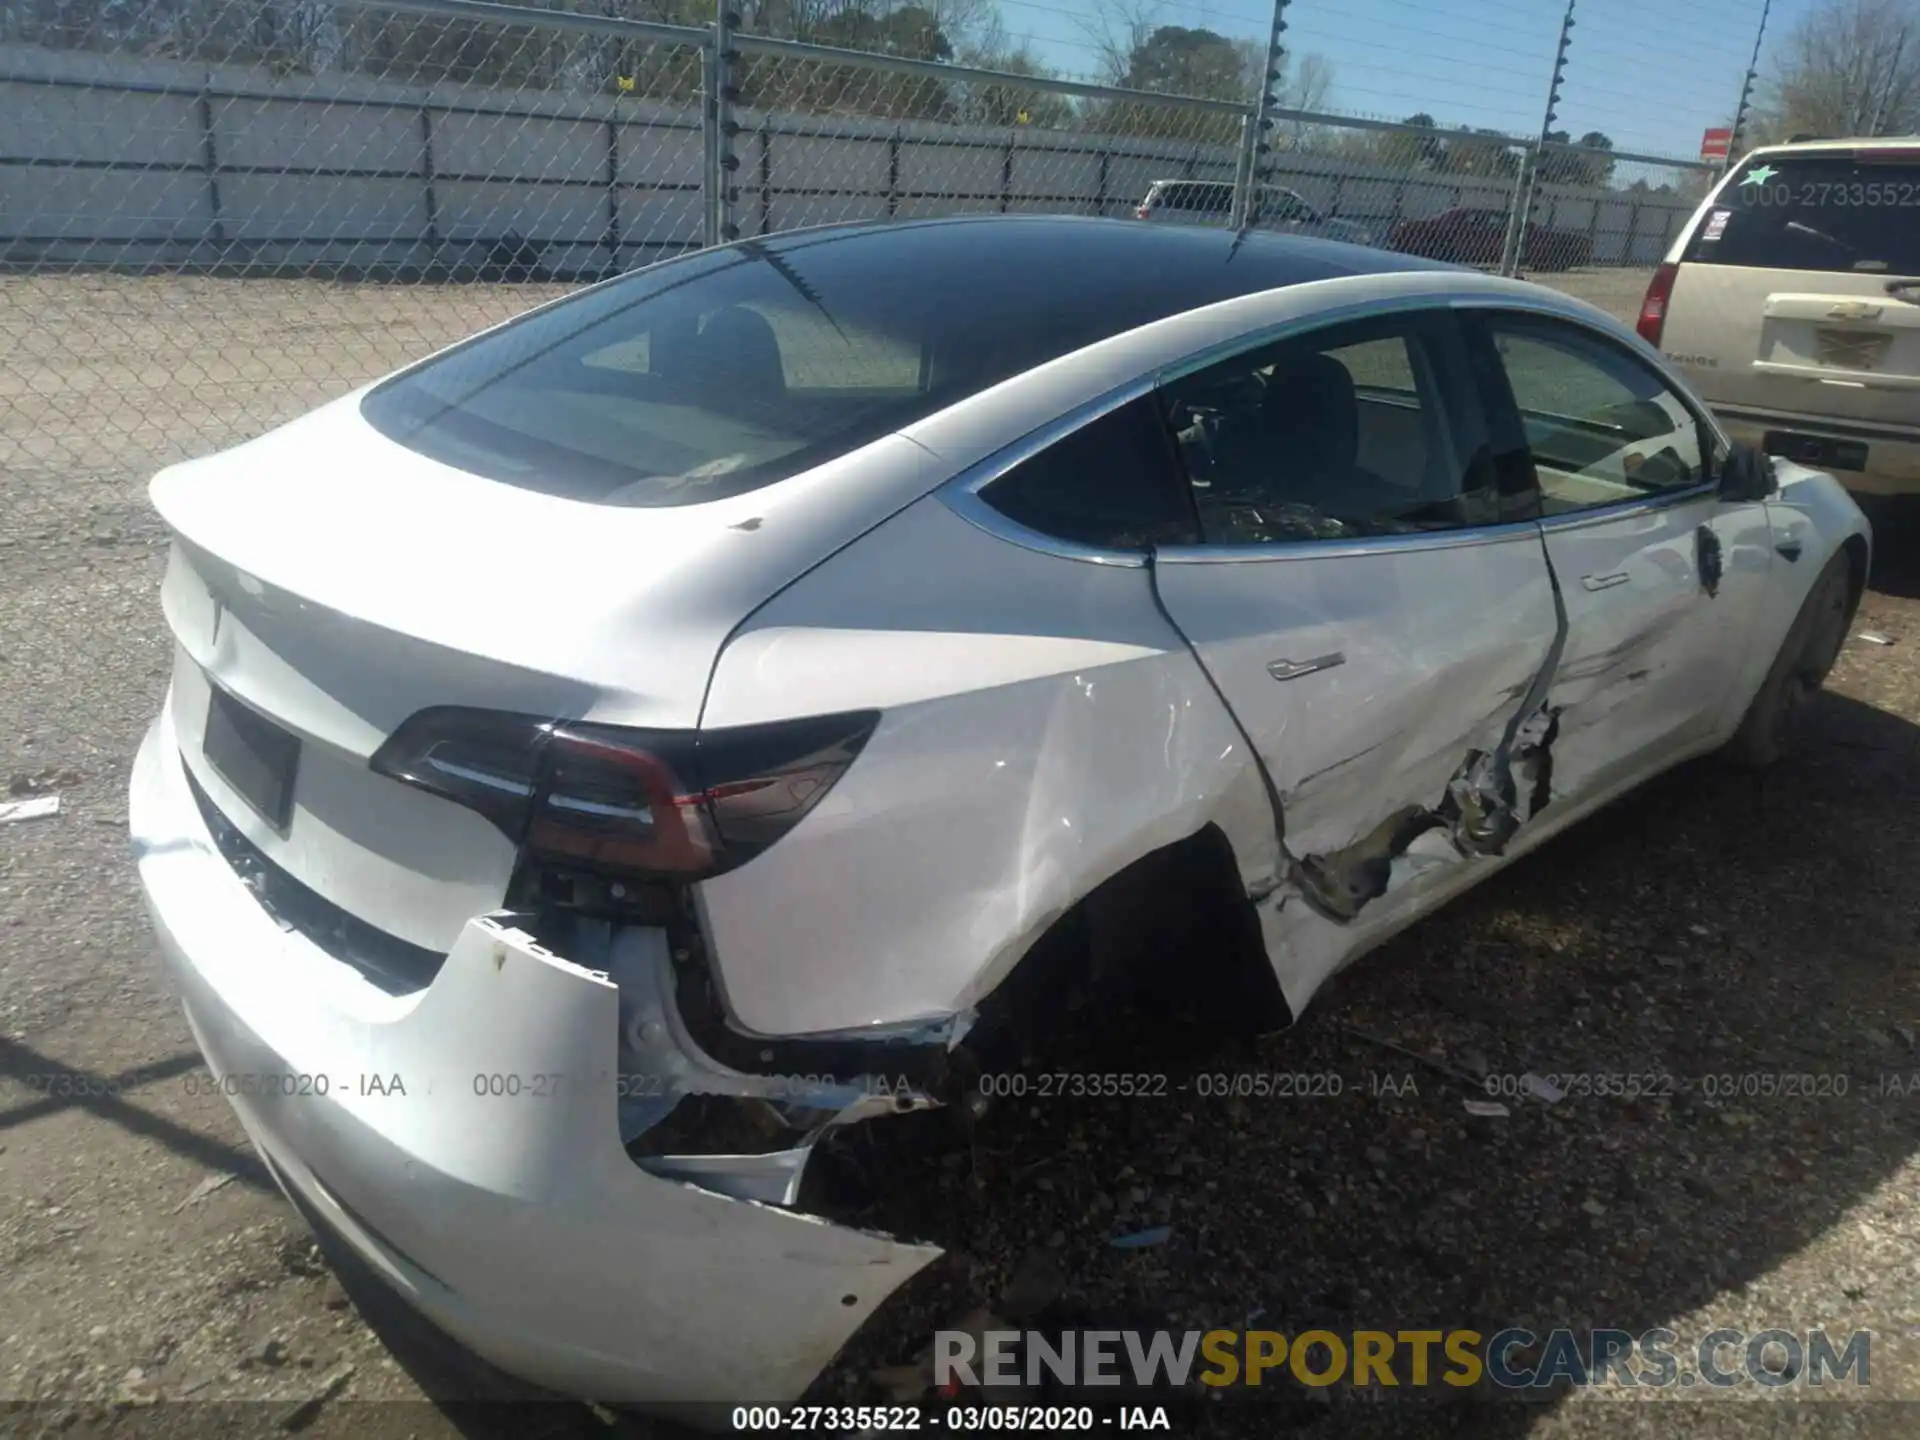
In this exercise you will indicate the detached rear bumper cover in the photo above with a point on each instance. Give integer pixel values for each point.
(517, 1224)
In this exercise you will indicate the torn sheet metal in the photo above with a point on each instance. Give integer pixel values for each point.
(1418, 849)
(518, 1225)
(773, 1178)
(1487, 800)
(661, 1066)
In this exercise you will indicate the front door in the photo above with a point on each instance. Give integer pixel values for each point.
(1660, 578)
(1378, 632)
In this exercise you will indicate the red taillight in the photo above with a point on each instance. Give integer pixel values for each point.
(664, 803)
(1140, 212)
(1653, 309)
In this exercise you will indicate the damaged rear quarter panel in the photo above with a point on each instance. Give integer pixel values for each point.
(1043, 726)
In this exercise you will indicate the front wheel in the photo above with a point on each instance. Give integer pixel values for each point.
(1812, 644)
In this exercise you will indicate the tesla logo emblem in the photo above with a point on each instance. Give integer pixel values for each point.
(1855, 310)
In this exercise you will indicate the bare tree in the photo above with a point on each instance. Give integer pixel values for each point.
(1850, 67)
(1306, 83)
(1115, 30)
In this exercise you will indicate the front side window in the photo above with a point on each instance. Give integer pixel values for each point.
(1601, 426)
(1852, 211)
(1357, 430)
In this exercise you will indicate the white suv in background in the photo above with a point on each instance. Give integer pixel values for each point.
(1210, 202)
(1792, 302)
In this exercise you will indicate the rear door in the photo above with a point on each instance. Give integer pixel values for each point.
(1359, 605)
(1660, 577)
(1799, 289)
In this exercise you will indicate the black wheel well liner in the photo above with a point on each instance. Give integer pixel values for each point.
(1175, 926)
(1856, 550)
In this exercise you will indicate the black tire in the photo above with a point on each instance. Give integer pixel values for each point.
(1812, 644)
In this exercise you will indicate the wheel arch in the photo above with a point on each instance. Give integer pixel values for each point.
(1174, 926)
(1859, 557)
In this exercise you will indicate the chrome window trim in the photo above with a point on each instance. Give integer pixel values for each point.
(1332, 549)
(1627, 509)
(1300, 325)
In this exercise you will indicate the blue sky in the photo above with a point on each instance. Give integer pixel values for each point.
(1650, 73)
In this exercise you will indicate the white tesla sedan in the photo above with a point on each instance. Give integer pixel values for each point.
(724, 707)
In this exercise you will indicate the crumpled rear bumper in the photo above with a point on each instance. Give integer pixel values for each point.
(515, 1222)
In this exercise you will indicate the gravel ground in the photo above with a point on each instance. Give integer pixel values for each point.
(1709, 926)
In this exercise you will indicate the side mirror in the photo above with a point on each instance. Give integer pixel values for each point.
(1746, 474)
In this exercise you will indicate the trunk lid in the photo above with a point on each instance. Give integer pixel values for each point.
(334, 582)
(1799, 288)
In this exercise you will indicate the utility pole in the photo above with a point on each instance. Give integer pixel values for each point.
(1529, 173)
(1251, 173)
(1746, 86)
(719, 129)
(1893, 77)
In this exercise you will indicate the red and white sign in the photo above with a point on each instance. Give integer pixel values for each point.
(1715, 144)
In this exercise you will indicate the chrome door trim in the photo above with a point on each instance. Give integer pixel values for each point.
(1628, 509)
(1359, 545)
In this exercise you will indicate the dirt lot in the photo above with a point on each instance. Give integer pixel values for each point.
(1707, 927)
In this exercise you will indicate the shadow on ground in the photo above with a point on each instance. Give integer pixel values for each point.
(1708, 929)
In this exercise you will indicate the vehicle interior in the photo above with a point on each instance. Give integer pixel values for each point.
(1314, 443)
(1601, 431)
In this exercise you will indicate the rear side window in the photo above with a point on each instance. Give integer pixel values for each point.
(1188, 195)
(1856, 211)
(1110, 484)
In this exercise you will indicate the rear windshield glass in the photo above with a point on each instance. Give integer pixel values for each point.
(732, 368)
(1817, 212)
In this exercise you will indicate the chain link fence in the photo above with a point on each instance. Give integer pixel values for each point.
(215, 214)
